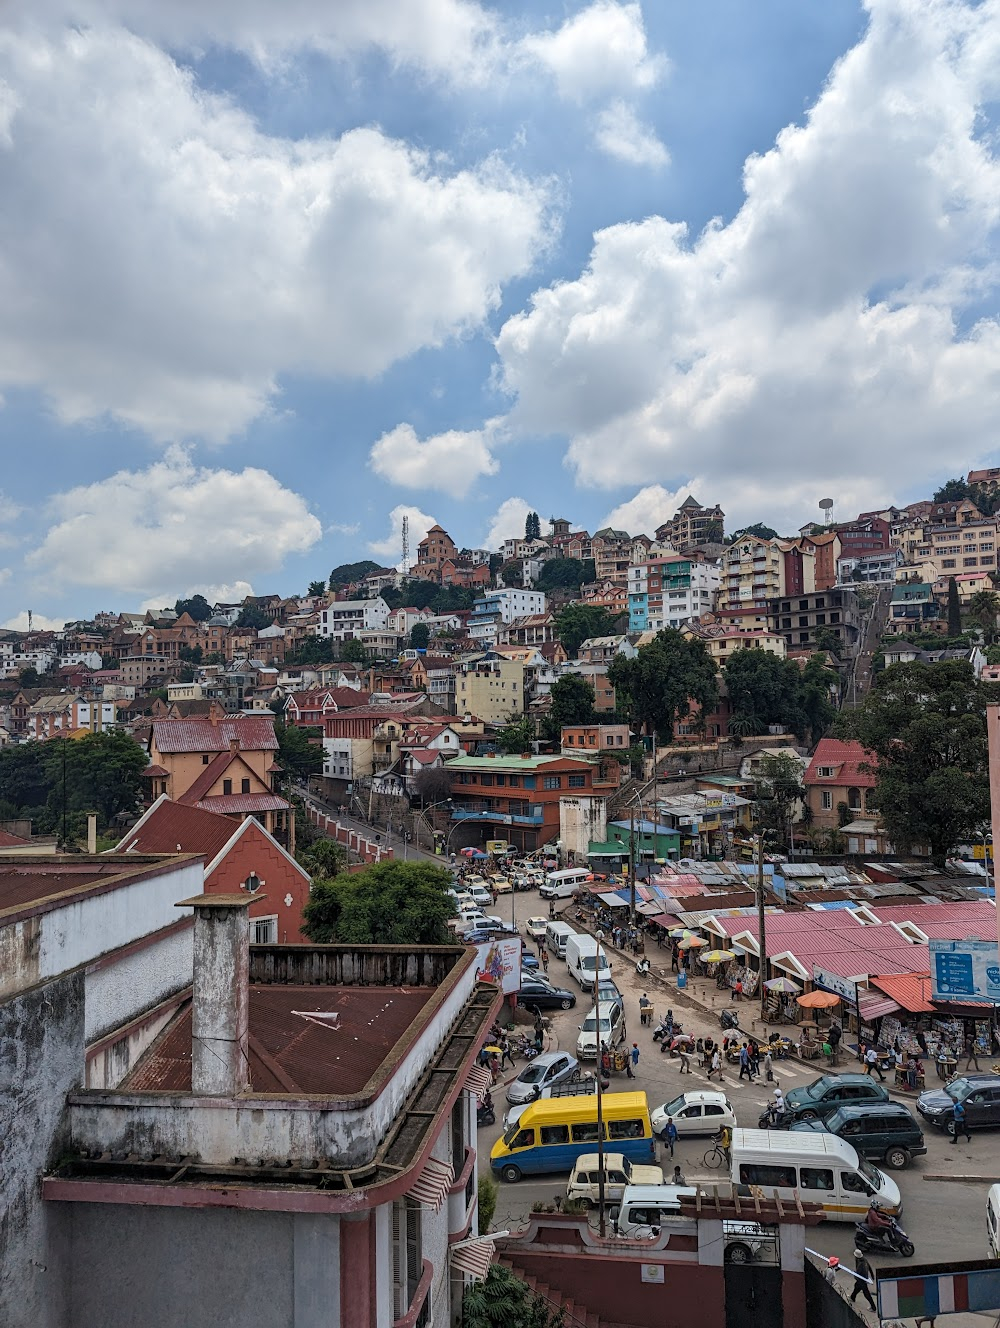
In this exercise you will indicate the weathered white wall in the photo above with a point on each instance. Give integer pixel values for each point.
(118, 991)
(582, 820)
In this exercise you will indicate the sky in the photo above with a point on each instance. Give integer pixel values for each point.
(273, 276)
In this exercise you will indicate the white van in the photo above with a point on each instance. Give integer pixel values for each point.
(556, 936)
(821, 1168)
(587, 960)
(605, 1024)
(993, 1221)
(564, 884)
(643, 1208)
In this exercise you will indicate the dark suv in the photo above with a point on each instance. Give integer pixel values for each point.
(884, 1131)
(978, 1093)
(824, 1095)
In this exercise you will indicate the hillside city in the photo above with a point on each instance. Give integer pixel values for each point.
(734, 786)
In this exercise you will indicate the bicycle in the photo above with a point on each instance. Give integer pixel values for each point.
(717, 1156)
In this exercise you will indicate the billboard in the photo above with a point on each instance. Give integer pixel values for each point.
(965, 970)
(500, 961)
(846, 988)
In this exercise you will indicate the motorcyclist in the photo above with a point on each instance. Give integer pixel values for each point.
(876, 1221)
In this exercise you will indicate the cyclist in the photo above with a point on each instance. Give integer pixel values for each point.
(725, 1143)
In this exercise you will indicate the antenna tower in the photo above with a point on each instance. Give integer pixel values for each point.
(29, 620)
(405, 567)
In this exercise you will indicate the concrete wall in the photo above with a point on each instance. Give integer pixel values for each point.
(582, 821)
(41, 1060)
(139, 979)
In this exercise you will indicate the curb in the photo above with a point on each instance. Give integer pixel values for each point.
(963, 1180)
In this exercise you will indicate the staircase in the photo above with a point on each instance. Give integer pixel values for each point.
(574, 1316)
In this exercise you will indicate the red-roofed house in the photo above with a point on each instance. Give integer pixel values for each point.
(835, 775)
(235, 853)
(310, 708)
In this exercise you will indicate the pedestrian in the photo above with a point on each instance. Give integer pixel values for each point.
(632, 1064)
(737, 994)
(834, 1037)
(508, 1055)
(673, 957)
(544, 955)
(678, 1177)
(685, 1060)
(863, 1276)
(670, 1024)
(755, 1057)
(745, 1063)
(872, 1066)
(779, 1101)
(605, 1060)
(716, 1065)
(495, 1070)
(959, 1123)
(669, 1135)
(645, 1009)
(830, 1271)
(971, 1055)
(768, 1067)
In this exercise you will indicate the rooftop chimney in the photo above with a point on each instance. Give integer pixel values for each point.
(221, 1004)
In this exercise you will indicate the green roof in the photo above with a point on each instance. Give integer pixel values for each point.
(494, 762)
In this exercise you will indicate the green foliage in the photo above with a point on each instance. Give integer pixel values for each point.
(983, 609)
(502, 1300)
(420, 634)
(563, 574)
(347, 573)
(103, 774)
(214, 657)
(579, 622)
(668, 678)
(926, 725)
(296, 753)
(189, 654)
(389, 903)
(316, 588)
(993, 655)
(953, 491)
(197, 607)
(487, 1191)
(323, 858)
(954, 609)
(532, 526)
(758, 529)
(312, 650)
(512, 574)
(572, 700)
(253, 619)
(517, 735)
(353, 652)
(986, 500)
(828, 640)
(765, 690)
(432, 784)
(28, 676)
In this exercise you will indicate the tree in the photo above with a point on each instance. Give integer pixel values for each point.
(532, 527)
(353, 652)
(778, 793)
(512, 573)
(764, 690)
(952, 491)
(954, 609)
(984, 607)
(758, 529)
(432, 784)
(420, 634)
(103, 773)
(323, 859)
(572, 699)
(502, 1299)
(517, 735)
(487, 1190)
(561, 574)
(389, 903)
(347, 573)
(28, 676)
(312, 650)
(189, 654)
(296, 753)
(925, 725)
(579, 622)
(668, 679)
(315, 589)
(828, 640)
(252, 618)
(197, 607)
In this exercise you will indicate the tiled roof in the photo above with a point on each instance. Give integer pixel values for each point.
(944, 921)
(155, 772)
(846, 758)
(910, 991)
(229, 804)
(253, 733)
(172, 827)
(7, 840)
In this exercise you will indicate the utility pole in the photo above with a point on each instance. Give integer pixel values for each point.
(631, 864)
(760, 921)
(601, 1227)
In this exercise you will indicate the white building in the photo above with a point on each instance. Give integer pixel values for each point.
(348, 618)
(502, 606)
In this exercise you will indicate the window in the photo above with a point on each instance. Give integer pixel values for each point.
(820, 619)
(786, 622)
(855, 1183)
(570, 740)
(804, 620)
(407, 1262)
(514, 781)
(244, 786)
(816, 1178)
(835, 617)
(947, 562)
(968, 562)
(578, 781)
(760, 1173)
(712, 1110)
(205, 759)
(625, 1129)
(227, 786)
(555, 1134)
(825, 771)
(826, 800)
(585, 1132)
(264, 931)
(551, 782)
(459, 1115)
(524, 1139)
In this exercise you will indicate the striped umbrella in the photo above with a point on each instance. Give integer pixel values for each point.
(717, 956)
(689, 942)
(787, 985)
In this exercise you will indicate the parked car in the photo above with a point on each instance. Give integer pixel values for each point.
(619, 1172)
(535, 928)
(883, 1131)
(528, 960)
(538, 993)
(479, 894)
(607, 991)
(824, 1095)
(978, 1093)
(604, 1024)
(703, 1111)
(546, 1070)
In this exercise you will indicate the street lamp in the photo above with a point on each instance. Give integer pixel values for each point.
(987, 838)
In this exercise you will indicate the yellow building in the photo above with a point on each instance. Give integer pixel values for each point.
(491, 687)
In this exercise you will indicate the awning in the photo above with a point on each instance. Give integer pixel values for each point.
(432, 1185)
(473, 1257)
(650, 909)
(874, 1007)
(479, 1081)
(662, 920)
(613, 901)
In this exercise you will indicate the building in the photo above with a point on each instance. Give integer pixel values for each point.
(966, 544)
(722, 641)
(913, 605)
(499, 608)
(612, 552)
(238, 856)
(606, 595)
(535, 629)
(345, 619)
(870, 568)
(520, 794)
(826, 550)
(66, 713)
(593, 740)
(756, 571)
(434, 550)
(669, 590)
(692, 525)
(967, 584)
(839, 787)
(490, 686)
(988, 479)
(801, 619)
(601, 650)
(364, 741)
(241, 1133)
(857, 538)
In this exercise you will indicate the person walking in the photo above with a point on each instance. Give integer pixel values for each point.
(959, 1123)
(645, 1009)
(678, 1177)
(768, 1067)
(685, 1061)
(745, 1063)
(669, 1135)
(754, 1057)
(971, 1055)
(633, 1060)
(508, 1055)
(872, 1066)
(716, 1067)
(543, 954)
(863, 1278)
(673, 957)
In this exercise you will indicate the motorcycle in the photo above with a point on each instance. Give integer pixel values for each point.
(771, 1118)
(525, 1047)
(890, 1240)
(485, 1115)
(730, 1019)
(678, 1044)
(666, 1029)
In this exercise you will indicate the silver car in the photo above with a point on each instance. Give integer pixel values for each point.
(551, 1067)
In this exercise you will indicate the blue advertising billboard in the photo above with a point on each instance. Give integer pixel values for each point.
(965, 970)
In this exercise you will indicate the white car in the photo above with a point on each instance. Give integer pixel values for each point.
(703, 1111)
(479, 895)
(535, 928)
(606, 1025)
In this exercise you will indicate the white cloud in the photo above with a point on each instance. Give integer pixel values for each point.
(165, 262)
(601, 51)
(227, 593)
(39, 622)
(507, 522)
(343, 528)
(820, 340)
(450, 462)
(649, 508)
(390, 549)
(620, 133)
(155, 532)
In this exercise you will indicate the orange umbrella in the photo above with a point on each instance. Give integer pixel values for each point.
(818, 1000)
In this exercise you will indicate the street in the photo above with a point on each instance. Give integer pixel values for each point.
(946, 1219)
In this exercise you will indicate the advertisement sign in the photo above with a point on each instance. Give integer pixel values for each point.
(965, 970)
(500, 961)
(497, 846)
(847, 988)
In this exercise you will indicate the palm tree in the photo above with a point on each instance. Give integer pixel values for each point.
(984, 607)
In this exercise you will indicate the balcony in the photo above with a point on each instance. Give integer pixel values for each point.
(497, 817)
(419, 1313)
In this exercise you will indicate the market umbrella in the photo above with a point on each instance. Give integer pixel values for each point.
(681, 931)
(717, 956)
(818, 1000)
(690, 942)
(783, 984)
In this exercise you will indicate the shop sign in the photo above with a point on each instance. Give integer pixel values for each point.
(964, 970)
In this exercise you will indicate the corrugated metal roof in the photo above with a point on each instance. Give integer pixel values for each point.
(171, 827)
(252, 733)
(910, 991)
(230, 804)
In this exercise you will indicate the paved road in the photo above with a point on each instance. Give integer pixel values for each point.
(946, 1220)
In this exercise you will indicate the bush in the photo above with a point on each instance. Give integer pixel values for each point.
(487, 1191)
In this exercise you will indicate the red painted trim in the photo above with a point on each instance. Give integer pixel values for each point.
(143, 943)
(455, 1236)
(420, 1295)
(357, 1308)
(170, 1003)
(463, 1175)
(107, 883)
